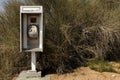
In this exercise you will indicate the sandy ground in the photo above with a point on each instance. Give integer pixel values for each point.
(85, 73)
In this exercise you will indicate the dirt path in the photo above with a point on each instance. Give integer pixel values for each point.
(85, 73)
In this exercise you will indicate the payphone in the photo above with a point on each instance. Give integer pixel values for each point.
(31, 28)
(31, 31)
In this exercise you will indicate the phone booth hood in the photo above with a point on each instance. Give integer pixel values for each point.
(31, 28)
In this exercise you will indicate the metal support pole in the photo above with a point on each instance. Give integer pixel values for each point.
(33, 61)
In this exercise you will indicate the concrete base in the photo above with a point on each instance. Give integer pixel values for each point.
(32, 75)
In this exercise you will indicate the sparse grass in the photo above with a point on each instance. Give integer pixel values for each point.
(101, 66)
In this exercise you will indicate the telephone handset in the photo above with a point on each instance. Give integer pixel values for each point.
(32, 31)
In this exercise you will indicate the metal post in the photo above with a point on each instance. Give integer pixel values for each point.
(33, 61)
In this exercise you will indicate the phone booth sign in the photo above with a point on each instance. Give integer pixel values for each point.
(31, 28)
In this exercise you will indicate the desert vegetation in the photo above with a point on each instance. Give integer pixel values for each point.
(76, 32)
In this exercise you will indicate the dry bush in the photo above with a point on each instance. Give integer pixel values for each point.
(78, 31)
(11, 60)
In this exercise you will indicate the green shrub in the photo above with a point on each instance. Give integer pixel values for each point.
(101, 66)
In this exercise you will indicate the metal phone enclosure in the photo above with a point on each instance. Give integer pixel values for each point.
(31, 29)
